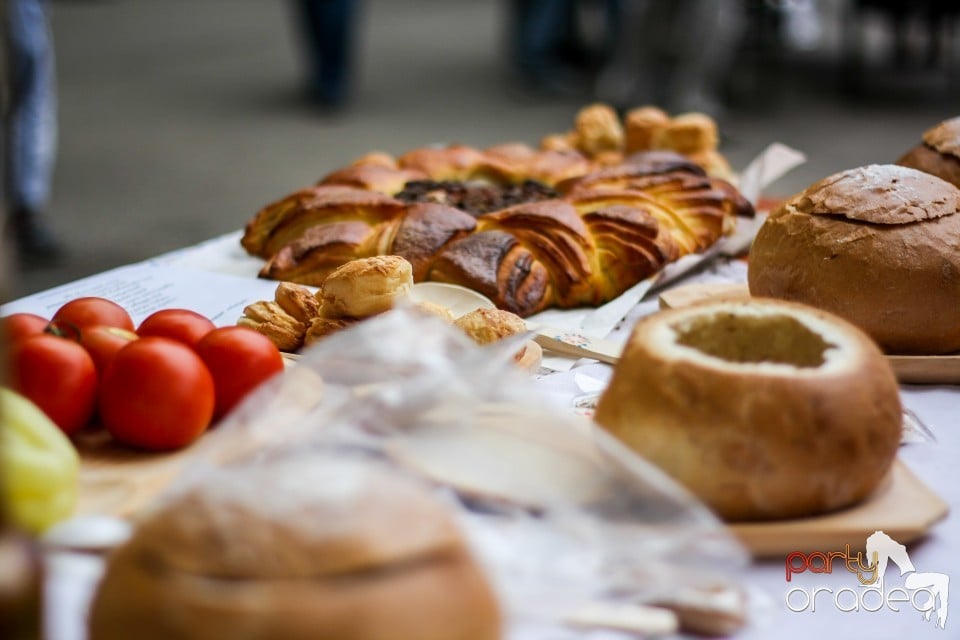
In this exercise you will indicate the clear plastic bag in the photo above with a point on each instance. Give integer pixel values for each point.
(560, 514)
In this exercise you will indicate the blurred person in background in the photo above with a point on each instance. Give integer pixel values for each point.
(550, 41)
(327, 29)
(29, 132)
(673, 54)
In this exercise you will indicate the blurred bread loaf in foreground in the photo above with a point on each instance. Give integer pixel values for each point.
(297, 550)
(939, 153)
(878, 245)
(764, 409)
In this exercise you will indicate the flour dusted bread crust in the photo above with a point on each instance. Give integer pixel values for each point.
(764, 409)
(939, 153)
(877, 245)
(319, 552)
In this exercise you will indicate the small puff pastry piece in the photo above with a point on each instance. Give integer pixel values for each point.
(320, 328)
(269, 318)
(643, 127)
(489, 325)
(366, 287)
(297, 301)
(597, 129)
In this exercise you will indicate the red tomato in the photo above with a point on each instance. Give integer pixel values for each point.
(85, 312)
(59, 376)
(156, 394)
(183, 325)
(240, 359)
(17, 326)
(102, 343)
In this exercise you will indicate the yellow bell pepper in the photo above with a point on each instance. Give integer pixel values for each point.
(39, 466)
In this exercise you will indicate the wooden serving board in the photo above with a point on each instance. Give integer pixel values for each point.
(943, 369)
(903, 507)
(120, 481)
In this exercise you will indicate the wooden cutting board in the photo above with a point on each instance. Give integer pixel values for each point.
(944, 369)
(120, 481)
(903, 507)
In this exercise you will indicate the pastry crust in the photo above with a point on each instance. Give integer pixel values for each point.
(485, 326)
(299, 302)
(877, 245)
(643, 127)
(270, 319)
(363, 288)
(321, 327)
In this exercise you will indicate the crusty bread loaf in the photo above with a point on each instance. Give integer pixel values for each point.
(939, 152)
(764, 409)
(877, 245)
(296, 550)
(530, 229)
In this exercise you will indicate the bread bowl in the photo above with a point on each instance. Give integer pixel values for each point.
(764, 409)
(878, 245)
(314, 550)
(938, 153)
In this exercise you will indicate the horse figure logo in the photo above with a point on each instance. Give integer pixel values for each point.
(934, 585)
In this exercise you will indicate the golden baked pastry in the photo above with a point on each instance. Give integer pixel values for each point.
(643, 127)
(296, 550)
(366, 287)
(764, 409)
(599, 134)
(597, 130)
(516, 224)
(270, 319)
(485, 326)
(877, 245)
(321, 327)
(299, 302)
(360, 289)
(939, 153)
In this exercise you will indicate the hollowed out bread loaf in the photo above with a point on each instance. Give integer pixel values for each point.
(764, 409)
(939, 153)
(292, 551)
(877, 245)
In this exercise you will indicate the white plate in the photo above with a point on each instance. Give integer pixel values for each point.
(459, 300)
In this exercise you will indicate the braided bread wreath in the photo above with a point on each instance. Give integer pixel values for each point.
(530, 229)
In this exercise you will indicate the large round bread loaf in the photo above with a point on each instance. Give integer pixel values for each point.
(298, 551)
(764, 409)
(938, 153)
(877, 245)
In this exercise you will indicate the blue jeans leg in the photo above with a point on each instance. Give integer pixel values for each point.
(31, 122)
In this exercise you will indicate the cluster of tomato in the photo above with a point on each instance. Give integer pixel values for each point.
(158, 386)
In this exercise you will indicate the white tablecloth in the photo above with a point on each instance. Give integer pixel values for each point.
(72, 579)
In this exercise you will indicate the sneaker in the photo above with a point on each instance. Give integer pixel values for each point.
(36, 244)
